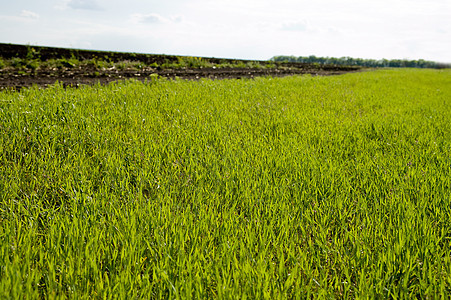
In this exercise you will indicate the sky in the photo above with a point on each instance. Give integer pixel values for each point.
(246, 29)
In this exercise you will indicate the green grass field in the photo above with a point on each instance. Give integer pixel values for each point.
(271, 188)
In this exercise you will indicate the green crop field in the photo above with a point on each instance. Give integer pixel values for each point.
(295, 187)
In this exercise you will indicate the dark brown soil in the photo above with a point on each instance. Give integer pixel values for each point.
(15, 79)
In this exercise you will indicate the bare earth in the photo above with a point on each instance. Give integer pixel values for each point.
(11, 78)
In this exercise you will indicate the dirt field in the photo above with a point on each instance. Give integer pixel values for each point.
(16, 78)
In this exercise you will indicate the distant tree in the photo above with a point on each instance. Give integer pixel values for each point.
(349, 61)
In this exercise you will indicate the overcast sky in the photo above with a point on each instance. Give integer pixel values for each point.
(248, 29)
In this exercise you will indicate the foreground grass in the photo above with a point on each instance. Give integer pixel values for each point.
(265, 188)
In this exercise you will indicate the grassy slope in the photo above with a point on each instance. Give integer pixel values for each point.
(267, 188)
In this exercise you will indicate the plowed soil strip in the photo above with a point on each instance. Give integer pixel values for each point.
(17, 79)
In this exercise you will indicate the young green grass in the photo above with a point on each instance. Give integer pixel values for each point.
(270, 188)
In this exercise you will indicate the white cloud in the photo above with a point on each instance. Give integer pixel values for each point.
(149, 18)
(153, 18)
(177, 19)
(84, 4)
(295, 26)
(29, 14)
(25, 16)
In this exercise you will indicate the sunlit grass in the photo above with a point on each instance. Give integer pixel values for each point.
(267, 188)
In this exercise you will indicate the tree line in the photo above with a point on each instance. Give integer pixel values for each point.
(372, 63)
